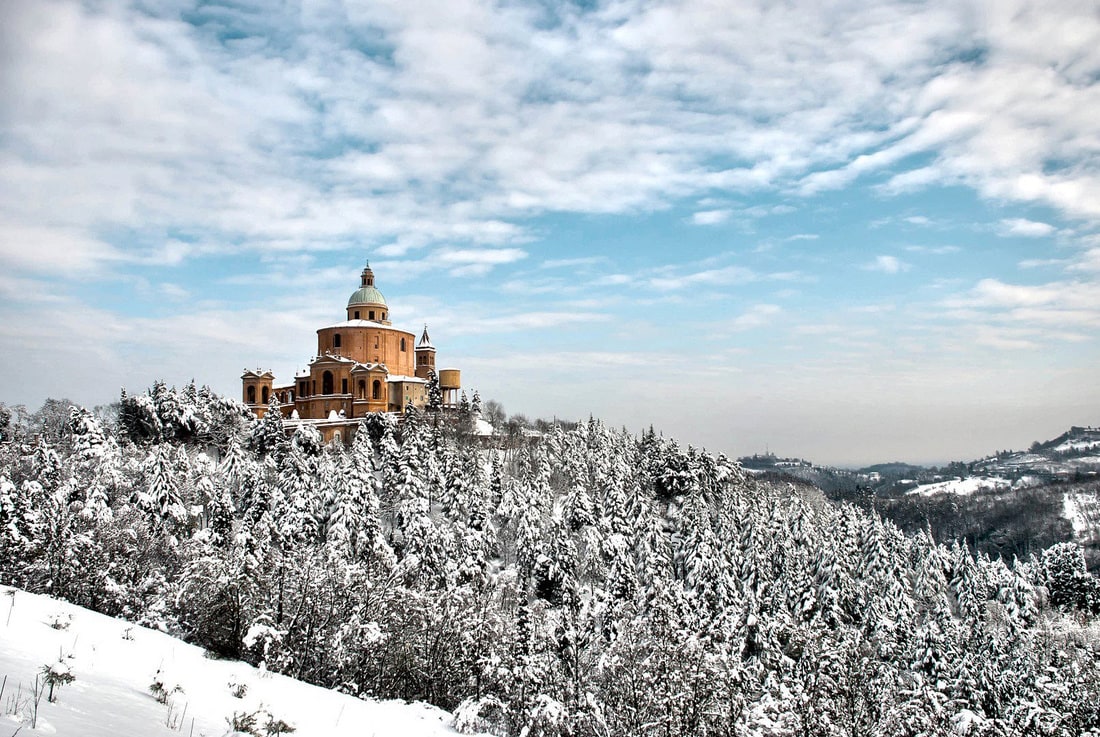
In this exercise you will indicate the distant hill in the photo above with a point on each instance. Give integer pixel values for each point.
(1009, 504)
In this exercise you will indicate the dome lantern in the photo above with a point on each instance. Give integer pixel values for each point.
(366, 302)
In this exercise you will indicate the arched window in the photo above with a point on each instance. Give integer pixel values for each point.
(266, 395)
(336, 340)
(362, 389)
(402, 344)
(251, 395)
(357, 314)
(370, 315)
(376, 390)
(326, 382)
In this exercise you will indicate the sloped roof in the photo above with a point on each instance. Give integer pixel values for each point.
(425, 342)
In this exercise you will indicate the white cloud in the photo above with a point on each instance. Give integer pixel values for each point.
(933, 250)
(1005, 339)
(819, 329)
(173, 291)
(1026, 228)
(886, 265)
(610, 280)
(996, 293)
(725, 276)
(524, 321)
(558, 263)
(1038, 263)
(54, 250)
(471, 123)
(710, 217)
(1018, 316)
(755, 317)
(1089, 261)
(480, 256)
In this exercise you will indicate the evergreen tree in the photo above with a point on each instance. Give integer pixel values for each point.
(268, 436)
(1061, 568)
(595, 583)
(219, 513)
(160, 497)
(435, 393)
(138, 420)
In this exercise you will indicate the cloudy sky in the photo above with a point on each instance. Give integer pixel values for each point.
(848, 231)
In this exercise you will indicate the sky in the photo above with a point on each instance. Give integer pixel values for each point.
(851, 232)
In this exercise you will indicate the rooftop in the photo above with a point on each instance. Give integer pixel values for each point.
(367, 295)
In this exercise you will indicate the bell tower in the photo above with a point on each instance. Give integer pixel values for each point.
(425, 355)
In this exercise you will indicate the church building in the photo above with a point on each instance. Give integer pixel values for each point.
(363, 365)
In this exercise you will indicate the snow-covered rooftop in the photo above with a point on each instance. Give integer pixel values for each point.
(369, 367)
(410, 379)
(425, 341)
(333, 357)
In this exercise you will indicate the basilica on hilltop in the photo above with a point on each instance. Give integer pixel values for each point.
(363, 365)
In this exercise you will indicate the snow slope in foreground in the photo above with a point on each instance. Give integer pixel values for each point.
(114, 664)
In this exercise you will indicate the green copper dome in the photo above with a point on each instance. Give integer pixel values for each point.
(366, 295)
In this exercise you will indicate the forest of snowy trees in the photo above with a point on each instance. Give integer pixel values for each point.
(593, 583)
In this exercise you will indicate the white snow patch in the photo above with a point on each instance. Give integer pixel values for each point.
(1076, 445)
(963, 487)
(1072, 511)
(114, 663)
(966, 720)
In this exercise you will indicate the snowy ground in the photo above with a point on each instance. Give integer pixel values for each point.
(963, 487)
(1082, 509)
(1076, 444)
(114, 664)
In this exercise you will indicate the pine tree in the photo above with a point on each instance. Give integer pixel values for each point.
(160, 498)
(232, 467)
(46, 466)
(1061, 568)
(300, 492)
(137, 419)
(268, 436)
(435, 394)
(219, 513)
(475, 405)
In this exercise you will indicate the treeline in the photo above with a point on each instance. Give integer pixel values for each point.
(1009, 524)
(592, 583)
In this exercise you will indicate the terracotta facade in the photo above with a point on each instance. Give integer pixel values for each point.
(363, 365)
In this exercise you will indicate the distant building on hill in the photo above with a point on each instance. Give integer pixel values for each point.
(363, 365)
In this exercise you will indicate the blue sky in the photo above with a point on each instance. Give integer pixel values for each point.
(849, 232)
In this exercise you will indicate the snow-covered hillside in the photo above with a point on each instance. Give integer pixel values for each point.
(115, 665)
(594, 583)
(962, 486)
(1082, 509)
